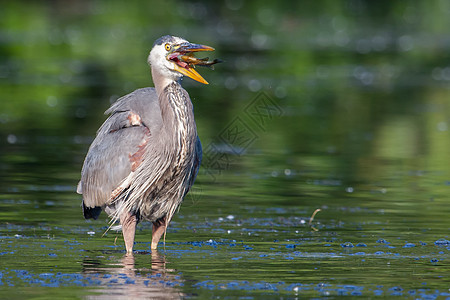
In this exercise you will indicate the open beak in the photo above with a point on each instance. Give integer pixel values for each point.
(188, 47)
(183, 57)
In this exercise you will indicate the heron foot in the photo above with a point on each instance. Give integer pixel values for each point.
(159, 227)
(128, 222)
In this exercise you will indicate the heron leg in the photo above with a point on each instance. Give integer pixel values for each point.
(159, 227)
(128, 222)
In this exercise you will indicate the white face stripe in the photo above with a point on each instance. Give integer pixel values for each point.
(157, 57)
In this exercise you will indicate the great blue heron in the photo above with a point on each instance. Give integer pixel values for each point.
(146, 155)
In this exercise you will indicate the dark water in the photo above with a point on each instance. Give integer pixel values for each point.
(338, 106)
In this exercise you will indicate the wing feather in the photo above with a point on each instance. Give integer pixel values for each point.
(110, 157)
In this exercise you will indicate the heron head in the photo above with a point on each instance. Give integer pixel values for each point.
(174, 57)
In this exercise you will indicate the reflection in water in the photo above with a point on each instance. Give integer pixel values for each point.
(122, 280)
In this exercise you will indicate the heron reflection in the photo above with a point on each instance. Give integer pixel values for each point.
(121, 279)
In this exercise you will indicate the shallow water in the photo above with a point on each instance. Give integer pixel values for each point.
(338, 111)
(361, 243)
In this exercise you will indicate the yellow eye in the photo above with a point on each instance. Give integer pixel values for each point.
(167, 46)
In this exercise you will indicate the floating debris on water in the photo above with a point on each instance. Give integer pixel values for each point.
(383, 241)
(347, 245)
(442, 242)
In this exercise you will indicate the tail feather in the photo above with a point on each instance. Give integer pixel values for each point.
(91, 212)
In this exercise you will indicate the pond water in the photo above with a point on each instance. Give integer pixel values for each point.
(325, 135)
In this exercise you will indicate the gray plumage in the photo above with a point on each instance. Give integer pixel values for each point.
(146, 155)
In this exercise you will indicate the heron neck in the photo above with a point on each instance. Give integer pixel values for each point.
(180, 132)
(176, 109)
(160, 81)
(177, 112)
